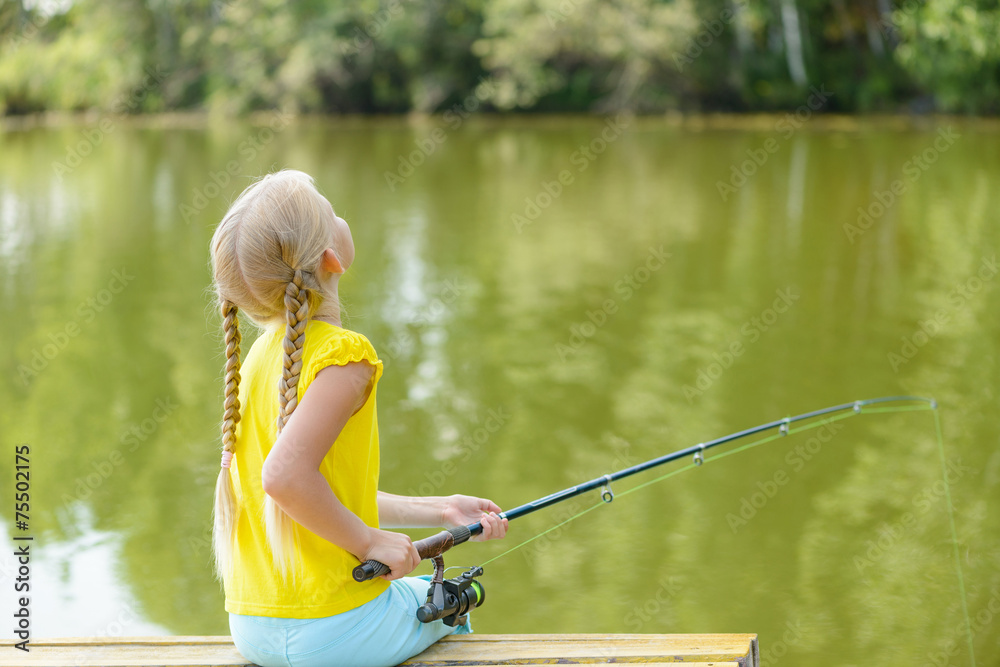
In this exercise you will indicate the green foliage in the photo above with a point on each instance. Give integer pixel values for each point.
(953, 49)
(613, 53)
(395, 56)
(356, 56)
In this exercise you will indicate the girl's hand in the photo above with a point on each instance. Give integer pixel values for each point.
(462, 510)
(395, 550)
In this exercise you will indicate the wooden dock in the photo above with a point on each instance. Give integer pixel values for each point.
(457, 651)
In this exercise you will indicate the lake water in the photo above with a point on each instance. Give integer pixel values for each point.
(554, 299)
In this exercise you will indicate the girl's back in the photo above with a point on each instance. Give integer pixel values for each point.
(322, 584)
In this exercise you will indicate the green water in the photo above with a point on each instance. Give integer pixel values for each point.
(635, 307)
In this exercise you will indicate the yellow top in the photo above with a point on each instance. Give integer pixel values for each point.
(322, 585)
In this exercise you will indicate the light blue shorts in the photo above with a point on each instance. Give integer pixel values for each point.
(379, 633)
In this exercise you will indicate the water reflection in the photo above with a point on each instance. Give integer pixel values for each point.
(585, 356)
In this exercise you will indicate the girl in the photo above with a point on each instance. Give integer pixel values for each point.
(296, 502)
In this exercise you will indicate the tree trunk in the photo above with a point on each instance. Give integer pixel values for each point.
(793, 42)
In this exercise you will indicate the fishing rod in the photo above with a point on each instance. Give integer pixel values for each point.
(464, 592)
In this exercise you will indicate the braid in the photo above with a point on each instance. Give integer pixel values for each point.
(296, 318)
(280, 532)
(226, 509)
(232, 400)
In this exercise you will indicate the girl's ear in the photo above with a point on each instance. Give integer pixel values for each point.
(330, 262)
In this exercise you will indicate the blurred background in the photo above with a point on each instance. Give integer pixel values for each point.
(588, 233)
(394, 56)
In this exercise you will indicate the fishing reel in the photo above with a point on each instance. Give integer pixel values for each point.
(451, 599)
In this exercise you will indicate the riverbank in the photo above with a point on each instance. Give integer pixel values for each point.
(754, 122)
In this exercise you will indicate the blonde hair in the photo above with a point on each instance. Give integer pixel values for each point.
(266, 254)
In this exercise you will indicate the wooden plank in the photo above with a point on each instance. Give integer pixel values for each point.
(172, 640)
(88, 660)
(127, 656)
(723, 650)
(686, 663)
(542, 649)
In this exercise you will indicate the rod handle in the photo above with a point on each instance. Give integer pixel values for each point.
(369, 570)
(429, 547)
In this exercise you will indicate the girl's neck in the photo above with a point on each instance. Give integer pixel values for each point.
(329, 311)
(330, 319)
(278, 325)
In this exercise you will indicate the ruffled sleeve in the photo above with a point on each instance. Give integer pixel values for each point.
(327, 345)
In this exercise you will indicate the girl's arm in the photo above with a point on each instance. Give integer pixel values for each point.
(292, 478)
(446, 511)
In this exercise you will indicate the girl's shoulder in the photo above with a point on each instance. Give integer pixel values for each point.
(329, 343)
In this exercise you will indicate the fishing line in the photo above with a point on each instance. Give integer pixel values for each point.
(690, 466)
(786, 431)
(435, 545)
(450, 599)
(954, 537)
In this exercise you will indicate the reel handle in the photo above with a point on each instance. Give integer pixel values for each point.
(429, 547)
